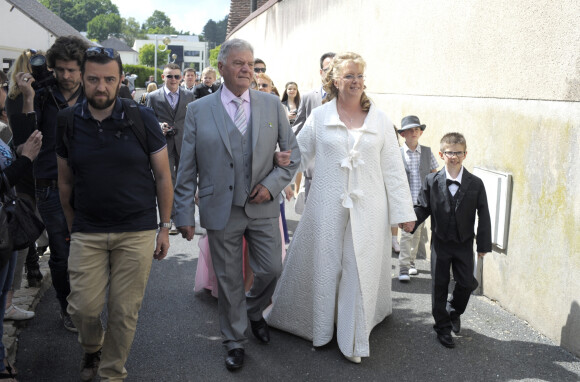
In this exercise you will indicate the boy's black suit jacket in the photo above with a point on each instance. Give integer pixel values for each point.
(471, 198)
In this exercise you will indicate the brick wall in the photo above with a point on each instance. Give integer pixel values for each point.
(239, 10)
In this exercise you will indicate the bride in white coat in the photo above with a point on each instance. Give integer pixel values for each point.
(338, 267)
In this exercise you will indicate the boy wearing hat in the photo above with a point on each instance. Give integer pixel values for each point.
(419, 161)
(453, 197)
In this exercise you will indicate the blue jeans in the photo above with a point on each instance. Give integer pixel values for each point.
(6, 277)
(48, 204)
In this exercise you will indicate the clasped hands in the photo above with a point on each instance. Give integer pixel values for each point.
(407, 227)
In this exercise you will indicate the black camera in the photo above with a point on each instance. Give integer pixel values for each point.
(170, 132)
(43, 77)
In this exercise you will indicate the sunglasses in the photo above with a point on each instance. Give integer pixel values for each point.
(100, 51)
(172, 76)
(264, 85)
(259, 70)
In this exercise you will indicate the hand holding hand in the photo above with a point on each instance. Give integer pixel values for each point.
(407, 227)
(260, 194)
(187, 231)
(31, 147)
(282, 158)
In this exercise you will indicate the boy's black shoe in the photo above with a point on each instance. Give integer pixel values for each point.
(446, 340)
(456, 324)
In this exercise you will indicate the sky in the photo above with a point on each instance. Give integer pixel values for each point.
(186, 15)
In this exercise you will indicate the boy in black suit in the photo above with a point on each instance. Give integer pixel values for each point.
(453, 233)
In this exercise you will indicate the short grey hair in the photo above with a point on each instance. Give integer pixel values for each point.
(233, 44)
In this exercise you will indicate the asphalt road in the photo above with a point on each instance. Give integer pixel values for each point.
(178, 340)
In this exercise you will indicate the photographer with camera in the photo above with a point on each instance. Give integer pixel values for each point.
(170, 104)
(45, 94)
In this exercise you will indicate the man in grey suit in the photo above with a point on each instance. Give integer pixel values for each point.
(170, 104)
(309, 102)
(229, 143)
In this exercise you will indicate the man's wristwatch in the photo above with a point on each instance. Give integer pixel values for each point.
(165, 225)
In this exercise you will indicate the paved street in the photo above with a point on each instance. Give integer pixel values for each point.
(178, 340)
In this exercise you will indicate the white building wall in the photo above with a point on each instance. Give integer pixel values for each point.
(18, 33)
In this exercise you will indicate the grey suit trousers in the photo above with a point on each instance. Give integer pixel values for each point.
(265, 255)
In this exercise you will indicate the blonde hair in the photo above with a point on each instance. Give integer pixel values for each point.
(334, 72)
(265, 77)
(22, 64)
(151, 87)
(209, 69)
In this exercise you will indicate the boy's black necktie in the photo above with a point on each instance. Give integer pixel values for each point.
(450, 182)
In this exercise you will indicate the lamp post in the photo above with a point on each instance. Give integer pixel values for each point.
(166, 41)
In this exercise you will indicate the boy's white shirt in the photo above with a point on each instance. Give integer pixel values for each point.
(453, 187)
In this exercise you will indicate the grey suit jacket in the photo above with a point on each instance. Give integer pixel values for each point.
(207, 154)
(176, 118)
(308, 102)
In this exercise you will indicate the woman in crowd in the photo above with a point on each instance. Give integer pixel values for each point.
(338, 268)
(12, 170)
(150, 88)
(291, 100)
(25, 187)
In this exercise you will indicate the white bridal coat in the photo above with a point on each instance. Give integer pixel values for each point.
(365, 185)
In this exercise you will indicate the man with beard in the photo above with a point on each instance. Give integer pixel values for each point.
(64, 58)
(115, 181)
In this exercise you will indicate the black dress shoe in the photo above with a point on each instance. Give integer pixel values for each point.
(456, 324)
(446, 340)
(235, 359)
(261, 330)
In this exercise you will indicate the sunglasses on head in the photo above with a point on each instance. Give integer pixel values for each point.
(100, 51)
(259, 70)
(172, 76)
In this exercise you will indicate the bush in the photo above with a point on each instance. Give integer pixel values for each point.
(143, 73)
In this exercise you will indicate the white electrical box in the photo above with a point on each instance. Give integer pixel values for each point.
(498, 187)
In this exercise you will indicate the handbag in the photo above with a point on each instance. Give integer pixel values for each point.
(24, 227)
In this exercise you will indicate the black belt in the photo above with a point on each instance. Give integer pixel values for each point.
(46, 183)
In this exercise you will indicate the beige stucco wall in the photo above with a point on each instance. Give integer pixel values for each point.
(506, 75)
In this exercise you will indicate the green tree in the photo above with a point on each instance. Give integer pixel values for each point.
(131, 30)
(78, 13)
(159, 23)
(147, 55)
(213, 56)
(215, 32)
(100, 27)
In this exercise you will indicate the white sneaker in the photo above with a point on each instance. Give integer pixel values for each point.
(15, 313)
(413, 271)
(404, 277)
(353, 359)
(396, 246)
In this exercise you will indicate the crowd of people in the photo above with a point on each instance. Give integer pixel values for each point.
(102, 169)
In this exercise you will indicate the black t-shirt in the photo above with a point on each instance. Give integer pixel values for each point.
(114, 189)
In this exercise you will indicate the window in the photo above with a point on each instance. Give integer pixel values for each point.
(192, 53)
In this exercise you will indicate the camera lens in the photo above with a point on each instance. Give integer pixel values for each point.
(37, 60)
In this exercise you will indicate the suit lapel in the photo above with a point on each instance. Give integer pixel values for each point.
(220, 115)
(466, 179)
(256, 118)
(441, 178)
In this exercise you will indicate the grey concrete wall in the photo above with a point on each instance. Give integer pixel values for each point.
(507, 76)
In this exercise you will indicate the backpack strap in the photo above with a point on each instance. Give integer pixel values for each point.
(133, 118)
(65, 126)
